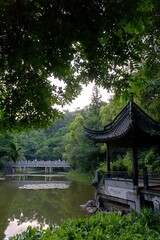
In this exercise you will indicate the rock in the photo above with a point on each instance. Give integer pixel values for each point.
(90, 203)
(83, 206)
(91, 210)
(89, 207)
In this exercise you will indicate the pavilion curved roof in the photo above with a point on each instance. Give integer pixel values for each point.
(131, 124)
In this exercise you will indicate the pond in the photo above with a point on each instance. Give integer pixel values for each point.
(39, 200)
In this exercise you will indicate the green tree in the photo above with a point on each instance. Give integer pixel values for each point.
(91, 113)
(144, 89)
(45, 144)
(9, 150)
(75, 41)
(109, 111)
(58, 148)
(31, 142)
(42, 153)
(82, 153)
(96, 100)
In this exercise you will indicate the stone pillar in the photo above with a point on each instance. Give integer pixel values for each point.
(156, 203)
(145, 178)
(46, 170)
(134, 148)
(108, 161)
(108, 158)
(134, 165)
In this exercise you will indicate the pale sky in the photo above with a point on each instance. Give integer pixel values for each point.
(84, 98)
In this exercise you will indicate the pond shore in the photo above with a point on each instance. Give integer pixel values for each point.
(80, 177)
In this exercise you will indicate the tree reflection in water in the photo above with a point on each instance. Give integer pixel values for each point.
(24, 207)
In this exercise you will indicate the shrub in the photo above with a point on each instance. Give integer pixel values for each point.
(150, 159)
(123, 163)
(144, 225)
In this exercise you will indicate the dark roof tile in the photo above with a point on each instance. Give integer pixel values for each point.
(131, 122)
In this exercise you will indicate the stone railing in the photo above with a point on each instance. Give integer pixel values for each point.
(41, 163)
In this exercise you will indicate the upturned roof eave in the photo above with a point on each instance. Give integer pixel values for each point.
(131, 117)
(104, 138)
(112, 128)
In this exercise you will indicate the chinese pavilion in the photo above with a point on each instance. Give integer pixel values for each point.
(131, 128)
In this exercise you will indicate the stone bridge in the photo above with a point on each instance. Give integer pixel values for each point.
(47, 165)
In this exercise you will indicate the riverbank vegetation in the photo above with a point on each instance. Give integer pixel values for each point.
(80, 177)
(143, 225)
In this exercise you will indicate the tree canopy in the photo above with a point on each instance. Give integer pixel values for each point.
(74, 41)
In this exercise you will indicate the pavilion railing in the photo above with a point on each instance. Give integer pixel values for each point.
(151, 179)
(118, 175)
(146, 179)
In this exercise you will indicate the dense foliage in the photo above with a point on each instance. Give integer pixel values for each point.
(112, 42)
(66, 139)
(144, 225)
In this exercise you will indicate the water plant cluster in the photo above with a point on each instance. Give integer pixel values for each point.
(144, 225)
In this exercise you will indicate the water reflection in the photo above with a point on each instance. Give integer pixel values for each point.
(40, 182)
(20, 206)
(15, 227)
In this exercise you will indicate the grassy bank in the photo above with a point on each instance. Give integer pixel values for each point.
(144, 226)
(80, 177)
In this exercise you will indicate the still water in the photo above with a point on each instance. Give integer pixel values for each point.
(39, 200)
